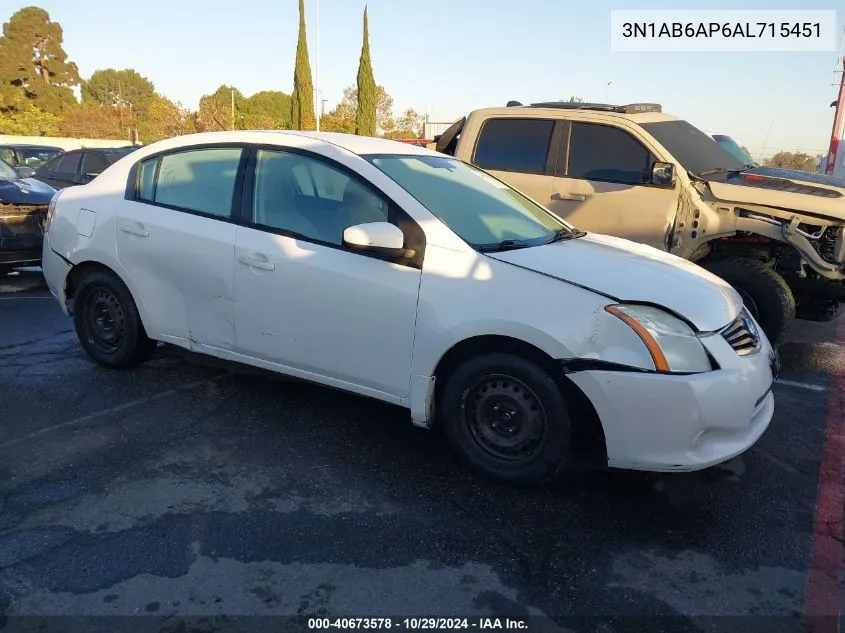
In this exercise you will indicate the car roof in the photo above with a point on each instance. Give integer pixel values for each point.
(354, 143)
(29, 146)
(561, 111)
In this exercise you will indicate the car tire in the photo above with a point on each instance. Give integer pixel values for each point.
(506, 419)
(107, 322)
(764, 292)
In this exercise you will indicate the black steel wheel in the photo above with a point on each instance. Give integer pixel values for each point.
(507, 419)
(107, 321)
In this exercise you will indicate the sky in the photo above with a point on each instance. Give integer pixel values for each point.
(448, 57)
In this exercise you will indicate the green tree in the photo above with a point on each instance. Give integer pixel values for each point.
(333, 122)
(165, 119)
(266, 110)
(348, 107)
(126, 92)
(118, 89)
(29, 121)
(409, 124)
(366, 122)
(792, 160)
(574, 99)
(215, 111)
(34, 68)
(302, 114)
(93, 121)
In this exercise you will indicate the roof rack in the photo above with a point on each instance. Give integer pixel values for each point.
(631, 108)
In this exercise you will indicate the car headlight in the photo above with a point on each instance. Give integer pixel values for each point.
(673, 345)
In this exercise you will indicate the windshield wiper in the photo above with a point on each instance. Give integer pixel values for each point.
(504, 245)
(722, 170)
(565, 234)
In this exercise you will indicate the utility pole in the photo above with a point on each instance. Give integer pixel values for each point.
(317, 90)
(233, 110)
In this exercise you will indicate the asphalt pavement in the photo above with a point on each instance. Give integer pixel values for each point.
(194, 488)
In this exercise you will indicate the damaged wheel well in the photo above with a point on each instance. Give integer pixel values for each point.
(751, 246)
(78, 273)
(588, 442)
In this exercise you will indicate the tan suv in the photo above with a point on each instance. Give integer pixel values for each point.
(634, 172)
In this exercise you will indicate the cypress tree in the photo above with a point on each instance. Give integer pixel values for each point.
(302, 100)
(365, 115)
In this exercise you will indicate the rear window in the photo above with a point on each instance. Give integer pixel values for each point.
(114, 155)
(518, 145)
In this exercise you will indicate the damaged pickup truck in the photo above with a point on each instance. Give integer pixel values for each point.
(634, 172)
(23, 210)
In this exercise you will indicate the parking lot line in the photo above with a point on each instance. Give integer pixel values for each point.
(800, 385)
(104, 412)
(823, 594)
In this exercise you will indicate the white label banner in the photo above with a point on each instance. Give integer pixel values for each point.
(723, 30)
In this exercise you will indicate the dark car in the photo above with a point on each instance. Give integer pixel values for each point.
(26, 157)
(23, 209)
(79, 166)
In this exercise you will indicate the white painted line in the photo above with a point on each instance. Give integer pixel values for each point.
(21, 298)
(800, 385)
(121, 407)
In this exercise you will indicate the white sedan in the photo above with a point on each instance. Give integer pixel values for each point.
(401, 274)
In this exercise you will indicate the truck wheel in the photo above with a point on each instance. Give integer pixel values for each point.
(765, 293)
(107, 322)
(507, 419)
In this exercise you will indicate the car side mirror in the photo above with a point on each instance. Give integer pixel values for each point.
(25, 172)
(662, 174)
(377, 237)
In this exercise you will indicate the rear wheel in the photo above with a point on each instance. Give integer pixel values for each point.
(764, 292)
(107, 322)
(507, 419)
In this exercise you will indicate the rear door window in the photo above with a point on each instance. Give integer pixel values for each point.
(201, 180)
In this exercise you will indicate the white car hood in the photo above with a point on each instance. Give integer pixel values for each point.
(628, 271)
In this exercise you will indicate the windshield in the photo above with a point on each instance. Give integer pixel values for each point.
(734, 148)
(7, 172)
(482, 210)
(696, 151)
(36, 156)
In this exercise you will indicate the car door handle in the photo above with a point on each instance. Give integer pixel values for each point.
(562, 195)
(256, 262)
(135, 229)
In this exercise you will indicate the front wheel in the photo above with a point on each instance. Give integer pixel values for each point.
(764, 292)
(507, 419)
(107, 322)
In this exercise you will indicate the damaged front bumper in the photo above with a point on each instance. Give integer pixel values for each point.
(21, 234)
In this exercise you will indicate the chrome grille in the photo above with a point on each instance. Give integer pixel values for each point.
(742, 334)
